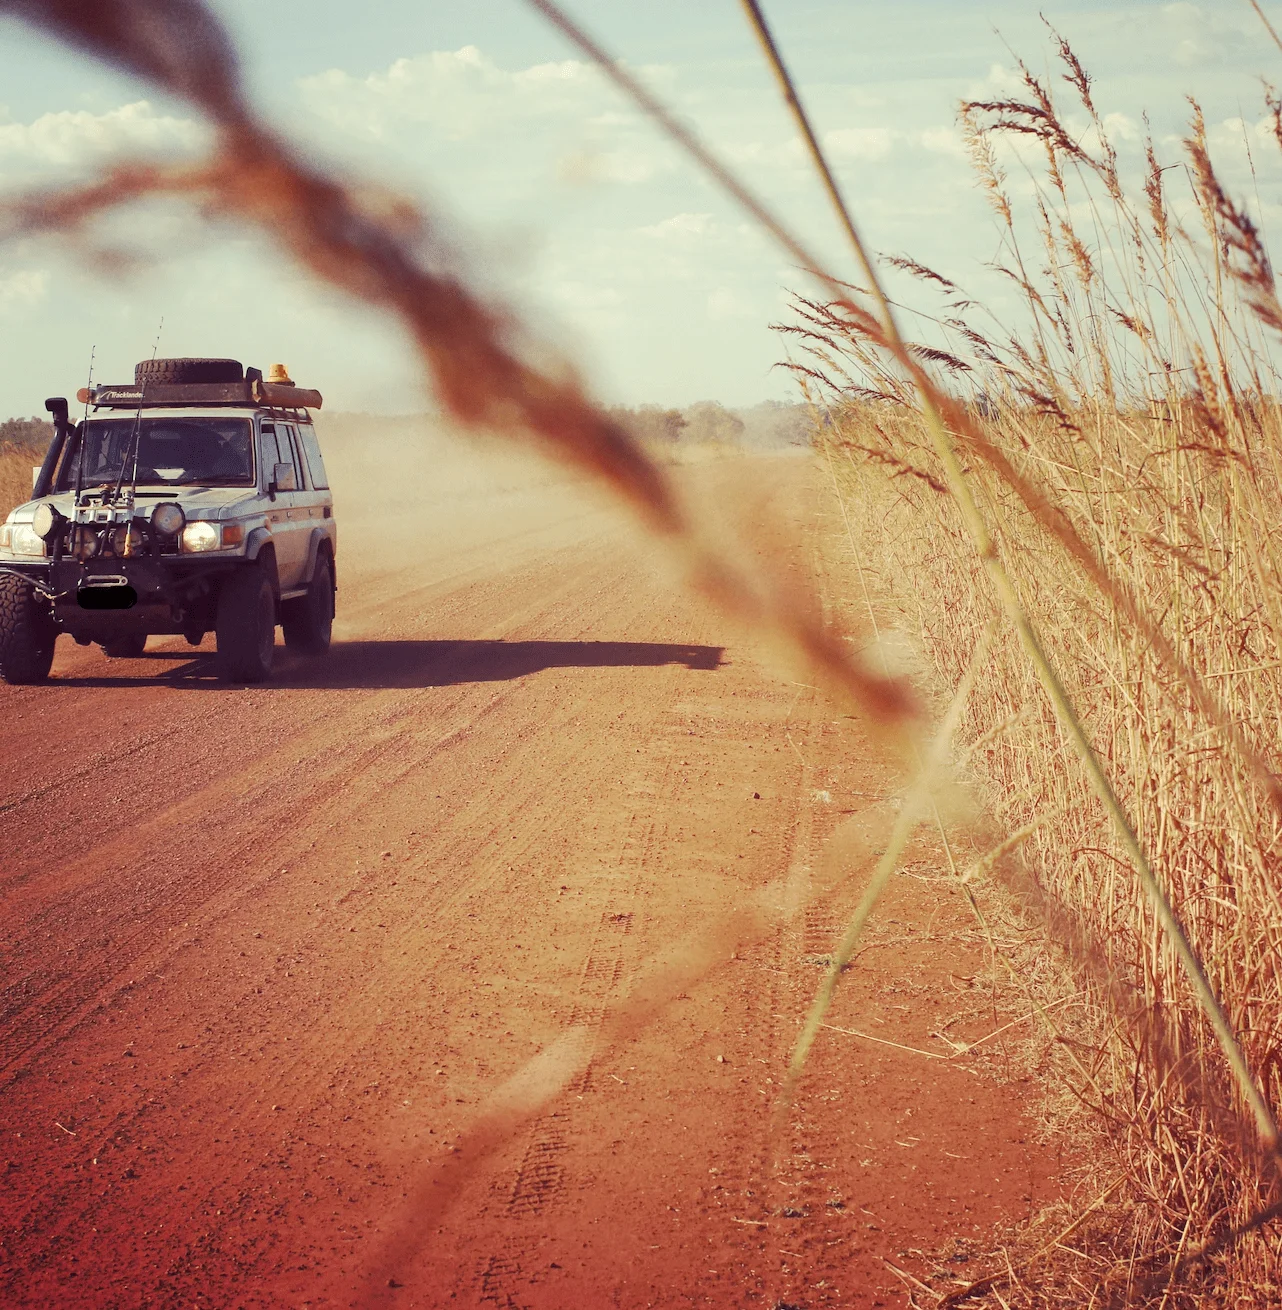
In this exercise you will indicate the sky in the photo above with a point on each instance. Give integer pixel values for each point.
(560, 199)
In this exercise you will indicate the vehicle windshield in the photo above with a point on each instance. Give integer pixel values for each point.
(174, 452)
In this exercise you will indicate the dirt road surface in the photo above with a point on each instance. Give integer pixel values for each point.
(462, 968)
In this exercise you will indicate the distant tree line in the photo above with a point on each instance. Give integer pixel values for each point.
(25, 434)
(771, 423)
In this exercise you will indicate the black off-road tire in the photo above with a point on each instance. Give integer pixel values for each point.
(164, 372)
(246, 626)
(125, 648)
(308, 621)
(27, 632)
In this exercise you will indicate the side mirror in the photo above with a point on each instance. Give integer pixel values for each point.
(284, 478)
(35, 477)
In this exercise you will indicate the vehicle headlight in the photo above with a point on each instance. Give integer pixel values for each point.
(168, 519)
(199, 537)
(46, 522)
(25, 541)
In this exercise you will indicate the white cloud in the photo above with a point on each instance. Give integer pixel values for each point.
(1121, 127)
(586, 296)
(726, 303)
(681, 227)
(509, 131)
(1237, 134)
(461, 94)
(789, 153)
(859, 142)
(943, 141)
(453, 90)
(1196, 37)
(1121, 130)
(24, 289)
(76, 139)
(1001, 83)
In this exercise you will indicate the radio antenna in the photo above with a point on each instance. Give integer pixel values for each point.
(135, 439)
(93, 351)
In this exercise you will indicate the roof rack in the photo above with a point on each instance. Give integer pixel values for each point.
(169, 394)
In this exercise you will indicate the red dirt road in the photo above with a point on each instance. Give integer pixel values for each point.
(461, 968)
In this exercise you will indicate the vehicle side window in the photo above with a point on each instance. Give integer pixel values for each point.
(312, 451)
(276, 449)
(268, 455)
(288, 455)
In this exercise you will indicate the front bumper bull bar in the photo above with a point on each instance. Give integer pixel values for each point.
(99, 599)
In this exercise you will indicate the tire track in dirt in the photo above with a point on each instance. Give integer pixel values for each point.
(534, 1189)
(538, 1183)
(45, 1000)
(372, 1055)
(40, 1008)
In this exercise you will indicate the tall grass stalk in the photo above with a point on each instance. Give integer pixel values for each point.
(917, 806)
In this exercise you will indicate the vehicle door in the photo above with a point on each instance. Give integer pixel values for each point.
(289, 533)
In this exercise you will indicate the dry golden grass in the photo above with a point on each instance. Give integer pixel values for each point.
(1152, 1079)
(16, 463)
(1125, 457)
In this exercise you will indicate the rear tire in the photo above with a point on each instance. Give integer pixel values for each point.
(125, 648)
(308, 622)
(246, 626)
(27, 633)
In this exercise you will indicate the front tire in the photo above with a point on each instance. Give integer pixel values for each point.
(125, 648)
(27, 633)
(308, 622)
(246, 627)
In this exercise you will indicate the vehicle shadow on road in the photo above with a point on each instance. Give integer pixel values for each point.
(385, 664)
(446, 663)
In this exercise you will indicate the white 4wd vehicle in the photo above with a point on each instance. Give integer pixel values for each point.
(193, 501)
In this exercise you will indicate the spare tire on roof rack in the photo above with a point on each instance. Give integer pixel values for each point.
(166, 372)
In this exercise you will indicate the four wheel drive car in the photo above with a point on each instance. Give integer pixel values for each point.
(194, 501)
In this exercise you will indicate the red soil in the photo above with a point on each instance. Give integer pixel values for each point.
(463, 968)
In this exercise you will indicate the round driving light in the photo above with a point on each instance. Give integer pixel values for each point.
(126, 540)
(46, 521)
(168, 519)
(84, 541)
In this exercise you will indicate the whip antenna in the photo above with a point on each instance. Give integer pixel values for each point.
(93, 350)
(135, 438)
